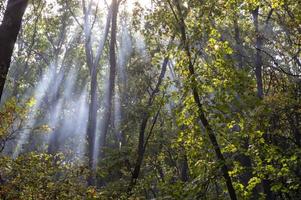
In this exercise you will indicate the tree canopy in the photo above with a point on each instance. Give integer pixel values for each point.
(150, 99)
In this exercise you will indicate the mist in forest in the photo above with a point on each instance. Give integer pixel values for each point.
(150, 99)
(66, 110)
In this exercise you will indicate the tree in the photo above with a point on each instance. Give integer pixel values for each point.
(142, 143)
(112, 79)
(93, 63)
(9, 30)
(196, 97)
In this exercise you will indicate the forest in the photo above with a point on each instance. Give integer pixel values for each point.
(150, 99)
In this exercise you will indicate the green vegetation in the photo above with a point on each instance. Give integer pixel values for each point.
(159, 99)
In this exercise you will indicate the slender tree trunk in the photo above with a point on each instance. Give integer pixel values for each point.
(184, 168)
(242, 158)
(296, 129)
(143, 125)
(93, 105)
(258, 56)
(9, 30)
(238, 43)
(112, 77)
(91, 126)
(196, 97)
(266, 184)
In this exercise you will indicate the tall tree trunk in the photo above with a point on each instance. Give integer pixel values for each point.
(266, 184)
(92, 121)
(9, 30)
(241, 157)
(93, 105)
(238, 45)
(143, 126)
(112, 76)
(258, 56)
(201, 113)
(91, 129)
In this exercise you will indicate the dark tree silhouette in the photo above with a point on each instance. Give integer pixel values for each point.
(9, 30)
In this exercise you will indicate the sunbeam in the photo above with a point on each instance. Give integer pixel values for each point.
(150, 99)
(39, 94)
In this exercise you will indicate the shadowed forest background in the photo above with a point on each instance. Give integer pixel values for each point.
(150, 99)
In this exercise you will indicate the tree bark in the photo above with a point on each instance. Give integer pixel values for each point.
(258, 56)
(93, 106)
(9, 30)
(184, 168)
(238, 44)
(112, 79)
(266, 184)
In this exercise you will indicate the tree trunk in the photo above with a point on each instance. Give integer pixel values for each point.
(258, 57)
(266, 184)
(112, 76)
(238, 45)
(184, 168)
(196, 97)
(9, 30)
(143, 125)
(93, 105)
(92, 120)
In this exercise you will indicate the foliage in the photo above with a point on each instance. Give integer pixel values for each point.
(259, 137)
(42, 176)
